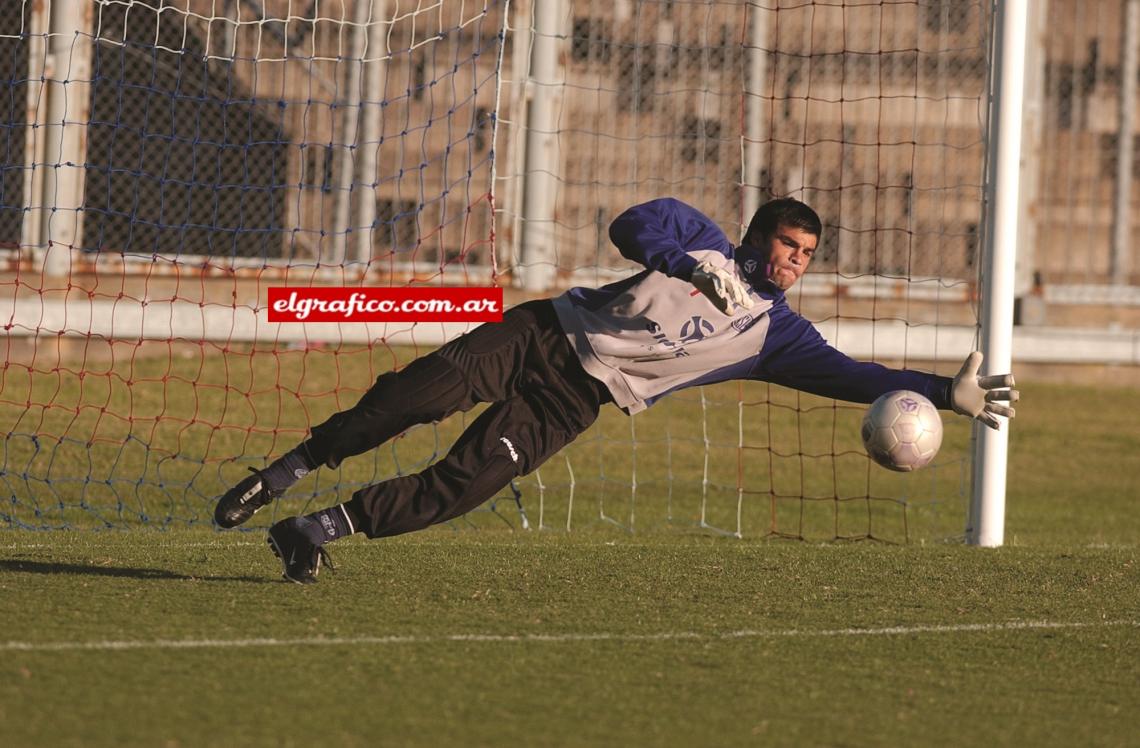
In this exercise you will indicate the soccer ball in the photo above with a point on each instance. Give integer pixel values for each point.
(902, 431)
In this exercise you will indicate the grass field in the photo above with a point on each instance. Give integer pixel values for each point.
(498, 639)
(667, 635)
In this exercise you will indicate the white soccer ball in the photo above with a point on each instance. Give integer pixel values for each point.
(902, 431)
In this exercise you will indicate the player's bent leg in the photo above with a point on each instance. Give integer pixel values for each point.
(487, 364)
(442, 492)
(508, 439)
(491, 363)
(427, 390)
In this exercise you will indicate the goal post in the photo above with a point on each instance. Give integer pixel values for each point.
(998, 278)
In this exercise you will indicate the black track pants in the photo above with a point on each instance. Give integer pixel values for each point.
(542, 399)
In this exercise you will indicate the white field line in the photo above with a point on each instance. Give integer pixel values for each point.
(260, 543)
(160, 543)
(17, 646)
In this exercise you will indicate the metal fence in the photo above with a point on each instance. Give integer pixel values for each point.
(366, 133)
(1077, 257)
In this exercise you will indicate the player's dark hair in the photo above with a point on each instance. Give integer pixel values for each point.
(786, 211)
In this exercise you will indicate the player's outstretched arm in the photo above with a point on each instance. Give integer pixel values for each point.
(660, 234)
(981, 397)
(721, 287)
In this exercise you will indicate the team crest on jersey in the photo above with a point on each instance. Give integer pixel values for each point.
(696, 329)
(742, 324)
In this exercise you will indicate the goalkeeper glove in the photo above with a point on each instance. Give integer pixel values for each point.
(721, 287)
(975, 396)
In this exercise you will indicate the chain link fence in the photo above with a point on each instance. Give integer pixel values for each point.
(235, 131)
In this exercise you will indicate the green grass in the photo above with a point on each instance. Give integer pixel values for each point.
(633, 626)
(599, 639)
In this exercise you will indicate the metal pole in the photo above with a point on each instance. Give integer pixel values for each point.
(510, 199)
(350, 117)
(1122, 204)
(987, 506)
(67, 73)
(375, 78)
(1032, 172)
(755, 109)
(538, 255)
(31, 229)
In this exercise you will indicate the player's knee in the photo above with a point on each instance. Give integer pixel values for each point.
(430, 384)
(493, 476)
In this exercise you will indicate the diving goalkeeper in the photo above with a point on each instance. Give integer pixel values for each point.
(702, 311)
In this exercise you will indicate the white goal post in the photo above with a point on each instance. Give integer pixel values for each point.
(1007, 95)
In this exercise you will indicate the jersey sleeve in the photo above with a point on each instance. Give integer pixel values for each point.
(659, 235)
(797, 356)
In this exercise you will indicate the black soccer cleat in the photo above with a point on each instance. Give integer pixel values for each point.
(300, 557)
(243, 500)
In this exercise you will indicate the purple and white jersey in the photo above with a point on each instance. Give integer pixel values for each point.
(653, 333)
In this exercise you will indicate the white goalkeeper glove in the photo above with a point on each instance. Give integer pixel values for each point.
(975, 396)
(721, 287)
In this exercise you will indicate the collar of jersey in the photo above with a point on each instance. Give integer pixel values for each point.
(765, 288)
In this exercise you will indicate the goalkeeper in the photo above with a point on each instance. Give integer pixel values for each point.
(702, 311)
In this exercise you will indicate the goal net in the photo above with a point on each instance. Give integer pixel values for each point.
(169, 161)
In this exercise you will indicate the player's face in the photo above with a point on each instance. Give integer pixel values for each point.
(789, 253)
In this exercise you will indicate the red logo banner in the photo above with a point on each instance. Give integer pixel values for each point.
(419, 304)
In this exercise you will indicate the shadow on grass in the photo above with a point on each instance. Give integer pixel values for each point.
(41, 567)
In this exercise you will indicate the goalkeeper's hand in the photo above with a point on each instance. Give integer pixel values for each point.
(721, 287)
(975, 396)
